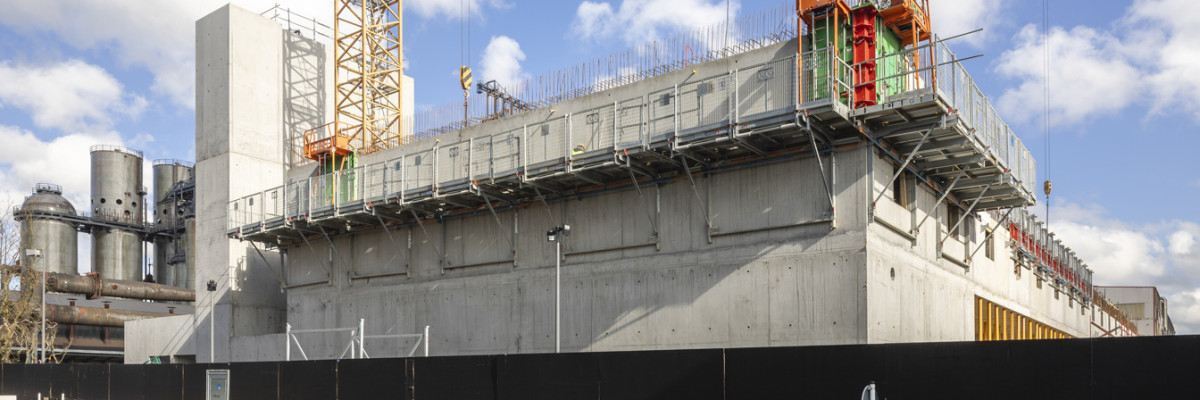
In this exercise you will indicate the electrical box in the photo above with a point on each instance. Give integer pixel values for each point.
(217, 387)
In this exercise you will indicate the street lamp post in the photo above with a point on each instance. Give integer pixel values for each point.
(212, 320)
(35, 253)
(555, 236)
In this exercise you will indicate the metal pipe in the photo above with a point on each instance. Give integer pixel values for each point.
(88, 285)
(557, 294)
(74, 315)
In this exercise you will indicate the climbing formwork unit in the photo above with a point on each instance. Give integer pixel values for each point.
(853, 73)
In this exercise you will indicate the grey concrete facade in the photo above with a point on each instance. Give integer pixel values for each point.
(780, 265)
(1143, 305)
(239, 107)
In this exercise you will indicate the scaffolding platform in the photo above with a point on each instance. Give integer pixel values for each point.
(947, 135)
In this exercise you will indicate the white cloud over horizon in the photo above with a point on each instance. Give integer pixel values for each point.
(502, 62)
(956, 17)
(1122, 254)
(638, 21)
(159, 36)
(1146, 57)
(67, 96)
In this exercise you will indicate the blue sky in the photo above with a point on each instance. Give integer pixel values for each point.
(1125, 95)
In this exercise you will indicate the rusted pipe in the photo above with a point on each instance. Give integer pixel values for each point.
(95, 316)
(92, 285)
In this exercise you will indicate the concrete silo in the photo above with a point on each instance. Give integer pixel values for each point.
(117, 194)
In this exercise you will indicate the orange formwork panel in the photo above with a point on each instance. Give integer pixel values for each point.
(909, 19)
(325, 141)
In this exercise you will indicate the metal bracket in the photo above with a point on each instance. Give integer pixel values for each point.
(328, 268)
(708, 227)
(544, 203)
(331, 248)
(812, 140)
(967, 212)
(392, 239)
(938, 204)
(638, 187)
(282, 284)
(989, 235)
(904, 165)
(488, 201)
(441, 256)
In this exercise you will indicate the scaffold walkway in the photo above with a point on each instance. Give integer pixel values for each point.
(933, 120)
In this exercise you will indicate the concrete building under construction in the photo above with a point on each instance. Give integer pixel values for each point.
(832, 177)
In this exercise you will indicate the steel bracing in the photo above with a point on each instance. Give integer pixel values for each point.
(369, 65)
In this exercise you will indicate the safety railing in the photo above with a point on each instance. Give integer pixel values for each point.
(676, 115)
(356, 336)
(933, 69)
(825, 78)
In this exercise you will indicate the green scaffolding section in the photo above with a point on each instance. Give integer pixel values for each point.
(338, 178)
(887, 47)
(888, 43)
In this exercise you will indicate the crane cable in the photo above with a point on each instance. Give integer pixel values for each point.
(1046, 187)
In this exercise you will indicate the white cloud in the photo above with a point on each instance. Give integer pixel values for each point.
(451, 9)
(502, 62)
(1147, 57)
(637, 21)
(26, 160)
(156, 35)
(1089, 74)
(1123, 254)
(1164, 32)
(1181, 243)
(159, 36)
(1184, 309)
(66, 96)
(954, 17)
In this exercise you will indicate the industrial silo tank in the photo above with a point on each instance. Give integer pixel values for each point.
(56, 239)
(169, 250)
(117, 196)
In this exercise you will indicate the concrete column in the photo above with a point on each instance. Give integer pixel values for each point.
(240, 137)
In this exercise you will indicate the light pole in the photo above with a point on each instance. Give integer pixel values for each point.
(555, 236)
(212, 320)
(33, 254)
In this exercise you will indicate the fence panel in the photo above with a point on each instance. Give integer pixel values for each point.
(662, 115)
(481, 158)
(765, 88)
(394, 178)
(453, 162)
(629, 123)
(506, 152)
(546, 141)
(592, 130)
(418, 171)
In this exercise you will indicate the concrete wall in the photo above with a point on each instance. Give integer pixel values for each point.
(167, 336)
(244, 113)
(1145, 307)
(916, 294)
(776, 272)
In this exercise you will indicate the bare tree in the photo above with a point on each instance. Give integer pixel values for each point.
(20, 293)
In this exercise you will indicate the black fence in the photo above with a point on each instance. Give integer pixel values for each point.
(1133, 368)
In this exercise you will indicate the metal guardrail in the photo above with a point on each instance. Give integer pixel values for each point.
(299, 24)
(672, 116)
(119, 149)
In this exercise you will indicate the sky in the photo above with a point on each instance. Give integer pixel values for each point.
(1124, 96)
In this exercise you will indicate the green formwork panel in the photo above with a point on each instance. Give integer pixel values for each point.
(344, 184)
(888, 42)
(821, 38)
